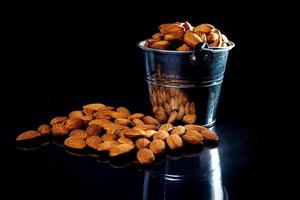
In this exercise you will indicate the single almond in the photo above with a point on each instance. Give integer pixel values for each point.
(179, 130)
(161, 134)
(172, 117)
(59, 119)
(191, 39)
(157, 146)
(133, 133)
(44, 129)
(123, 110)
(138, 122)
(161, 44)
(209, 135)
(136, 116)
(157, 36)
(93, 141)
(166, 127)
(108, 137)
(142, 143)
(94, 129)
(124, 140)
(59, 130)
(149, 133)
(119, 149)
(189, 119)
(198, 128)
(150, 120)
(94, 106)
(79, 133)
(174, 141)
(106, 145)
(145, 156)
(193, 137)
(180, 113)
(76, 113)
(27, 135)
(183, 47)
(115, 115)
(204, 28)
(75, 142)
(73, 123)
(125, 122)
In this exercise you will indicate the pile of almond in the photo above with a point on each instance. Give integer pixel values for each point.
(118, 131)
(184, 37)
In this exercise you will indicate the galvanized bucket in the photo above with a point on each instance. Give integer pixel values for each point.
(185, 85)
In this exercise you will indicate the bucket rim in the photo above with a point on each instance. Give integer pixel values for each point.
(213, 49)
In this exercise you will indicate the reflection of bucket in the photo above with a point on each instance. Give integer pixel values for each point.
(185, 84)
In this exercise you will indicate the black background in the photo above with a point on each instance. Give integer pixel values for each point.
(63, 56)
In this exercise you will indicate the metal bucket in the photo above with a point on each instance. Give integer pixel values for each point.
(185, 85)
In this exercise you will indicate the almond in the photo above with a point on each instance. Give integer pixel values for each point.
(209, 135)
(28, 135)
(145, 156)
(108, 137)
(146, 127)
(59, 130)
(75, 143)
(161, 134)
(156, 36)
(136, 116)
(167, 108)
(191, 39)
(89, 112)
(142, 143)
(161, 116)
(99, 122)
(79, 133)
(180, 113)
(172, 117)
(157, 146)
(170, 37)
(115, 115)
(174, 141)
(125, 122)
(76, 113)
(93, 141)
(161, 44)
(204, 28)
(174, 29)
(179, 130)
(138, 122)
(189, 119)
(193, 137)
(166, 127)
(202, 36)
(192, 108)
(106, 145)
(187, 108)
(86, 119)
(184, 47)
(123, 110)
(224, 38)
(56, 120)
(150, 120)
(73, 123)
(44, 129)
(212, 37)
(94, 129)
(124, 140)
(133, 133)
(94, 106)
(149, 133)
(119, 149)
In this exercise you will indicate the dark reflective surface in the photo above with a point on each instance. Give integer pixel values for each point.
(192, 173)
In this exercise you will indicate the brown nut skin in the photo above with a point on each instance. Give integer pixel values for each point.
(174, 141)
(142, 143)
(75, 143)
(73, 123)
(44, 129)
(145, 156)
(157, 146)
(59, 130)
(28, 135)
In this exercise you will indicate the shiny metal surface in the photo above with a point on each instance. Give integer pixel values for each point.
(191, 76)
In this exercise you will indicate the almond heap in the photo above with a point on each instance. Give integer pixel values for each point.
(184, 37)
(117, 131)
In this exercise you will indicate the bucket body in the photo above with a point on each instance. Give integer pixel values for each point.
(185, 85)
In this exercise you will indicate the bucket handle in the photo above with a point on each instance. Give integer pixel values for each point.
(201, 54)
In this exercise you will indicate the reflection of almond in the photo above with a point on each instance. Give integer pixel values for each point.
(93, 141)
(28, 135)
(157, 146)
(44, 129)
(75, 142)
(119, 149)
(145, 156)
(174, 141)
